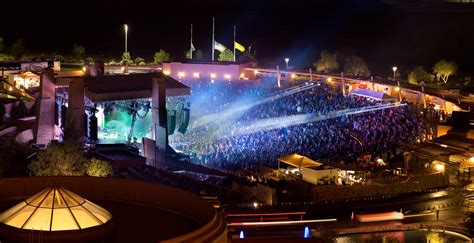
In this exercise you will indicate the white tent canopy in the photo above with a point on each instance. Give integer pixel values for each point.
(381, 96)
(298, 161)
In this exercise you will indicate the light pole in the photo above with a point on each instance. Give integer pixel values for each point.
(125, 27)
(394, 71)
(287, 60)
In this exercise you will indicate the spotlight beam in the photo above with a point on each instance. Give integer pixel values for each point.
(287, 121)
(238, 109)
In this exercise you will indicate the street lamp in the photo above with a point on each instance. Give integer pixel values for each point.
(287, 60)
(125, 27)
(394, 71)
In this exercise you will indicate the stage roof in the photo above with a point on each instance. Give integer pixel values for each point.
(130, 86)
(299, 161)
(373, 95)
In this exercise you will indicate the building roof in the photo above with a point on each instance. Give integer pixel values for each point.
(55, 209)
(373, 95)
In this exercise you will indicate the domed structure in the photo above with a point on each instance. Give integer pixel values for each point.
(55, 209)
(149, 212)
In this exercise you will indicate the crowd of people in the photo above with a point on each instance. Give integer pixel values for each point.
(341, 138)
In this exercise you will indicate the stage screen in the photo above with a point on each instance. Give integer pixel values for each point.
(115, 120)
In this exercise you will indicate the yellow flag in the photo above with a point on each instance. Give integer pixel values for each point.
(239, 47)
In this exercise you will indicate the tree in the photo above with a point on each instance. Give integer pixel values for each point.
(89, 60)
(2, 113)
(355, 66)
(6, 57)
(59, 160)
(18, 48)
(160, 57)
(99, 168)
(226, 56)
(249, 56)
(198, 55)
(327, 62)
(443, 69)
(126, 57)
(419, 76)
(78, 52)
(58, 57)
(20, 110)
(187, 54)
(139, 61)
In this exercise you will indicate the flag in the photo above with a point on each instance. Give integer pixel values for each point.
(239, 47)
(218, 46)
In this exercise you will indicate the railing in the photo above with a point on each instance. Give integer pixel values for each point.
(404, 227)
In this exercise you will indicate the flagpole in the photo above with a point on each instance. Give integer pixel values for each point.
(212, 51)
(191, 47)
(234, 43)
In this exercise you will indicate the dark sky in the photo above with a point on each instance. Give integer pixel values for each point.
(383, 34)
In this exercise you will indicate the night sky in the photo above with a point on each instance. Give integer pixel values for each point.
(384, 34)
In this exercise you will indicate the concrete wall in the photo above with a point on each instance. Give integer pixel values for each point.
(417, 183)
(259, 192)
(23, 138)
(204, 71)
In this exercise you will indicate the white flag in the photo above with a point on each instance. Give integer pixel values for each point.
(218, 46)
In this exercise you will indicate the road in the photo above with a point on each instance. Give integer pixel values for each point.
(441, 205)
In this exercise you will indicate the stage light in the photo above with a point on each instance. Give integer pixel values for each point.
(329, 79)
(212, 80)
(166, 72)
(181, 74)
(439, 167)
(213, 75)
(227, 76)
(255, 71)
(293, 75)
(397, 89)
(84, 69)
(196, 75)
(242, 75)
(471, 159)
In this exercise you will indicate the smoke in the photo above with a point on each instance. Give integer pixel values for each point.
(239, 108)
